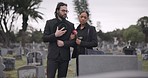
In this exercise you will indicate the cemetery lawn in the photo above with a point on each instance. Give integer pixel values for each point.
(145, 65)
(20, 63)
(71, 70)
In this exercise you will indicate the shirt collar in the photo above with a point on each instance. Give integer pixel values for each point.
(86, 26)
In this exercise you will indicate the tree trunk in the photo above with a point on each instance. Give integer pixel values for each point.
(5, 38)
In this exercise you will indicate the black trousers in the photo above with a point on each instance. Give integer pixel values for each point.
(57, 64)
(77, 66)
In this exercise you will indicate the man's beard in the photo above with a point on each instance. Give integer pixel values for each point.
(63, 17)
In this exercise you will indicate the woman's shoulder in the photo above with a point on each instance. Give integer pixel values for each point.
(91, 27)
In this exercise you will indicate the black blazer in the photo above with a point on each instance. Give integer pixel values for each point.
(49, 36)
(89, 39)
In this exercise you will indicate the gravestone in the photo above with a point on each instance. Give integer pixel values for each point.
(9, 63)
(26, 50)
(10, 51)
(18, 53)
(27, 72)
(34, 65)
(2, 67)
(30, 71)
(34, 58)
(119, 74)
(92, 64)
(4, 51)
(129, 50)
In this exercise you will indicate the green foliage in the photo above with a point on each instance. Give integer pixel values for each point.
(134, 34)
(27, 8)
(37, 36)
(81, 5)
(143, 23)
(34, 36)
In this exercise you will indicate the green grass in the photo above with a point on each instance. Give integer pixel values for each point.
(71, 69)
(20, 63)
(145, 65)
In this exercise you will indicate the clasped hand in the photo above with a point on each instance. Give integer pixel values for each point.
(78, 41)
(60, 32)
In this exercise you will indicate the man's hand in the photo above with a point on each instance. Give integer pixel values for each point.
(60, 43)
(60, 32)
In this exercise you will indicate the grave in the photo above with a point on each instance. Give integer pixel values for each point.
(92, 64)
(119, 74)
(30, 71)
(10, 51)
(27, 72)
(26, 50)
(3, 51)
(34, 58)
(129, 49)
(9, 63)
(18, 53)
(34, 67)
(2, 67)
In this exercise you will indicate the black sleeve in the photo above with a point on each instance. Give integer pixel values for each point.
(49, 36)
(93, 41)
(70, 42)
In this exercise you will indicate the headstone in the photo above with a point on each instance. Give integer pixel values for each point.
(27, 72)
(115, 42)
(129, 50)
(119, 74)
(10, 51)
(18, 54)
(2, 67)
(92, 64)
(9, 63)
(26, 51)
(34, 58)
(31, 71)
(4, 51)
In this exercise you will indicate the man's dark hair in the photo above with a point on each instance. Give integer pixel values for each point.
(58, 8)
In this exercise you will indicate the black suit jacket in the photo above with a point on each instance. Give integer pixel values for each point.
(49, 36)
(89, 40)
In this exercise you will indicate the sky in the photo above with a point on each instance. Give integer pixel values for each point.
(111, 14)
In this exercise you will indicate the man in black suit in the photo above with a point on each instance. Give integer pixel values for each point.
(57, 32)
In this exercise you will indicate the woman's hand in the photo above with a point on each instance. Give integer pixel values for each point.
(72, 36)
(78, 41)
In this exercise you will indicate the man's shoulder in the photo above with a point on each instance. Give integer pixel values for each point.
(69, 22)
(51, 20)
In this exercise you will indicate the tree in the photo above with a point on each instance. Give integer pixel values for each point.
(104, 36)
(81, 5)
(36, 36)
(27, 8)
(143, 23)
(7, 18)
(133, 33)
